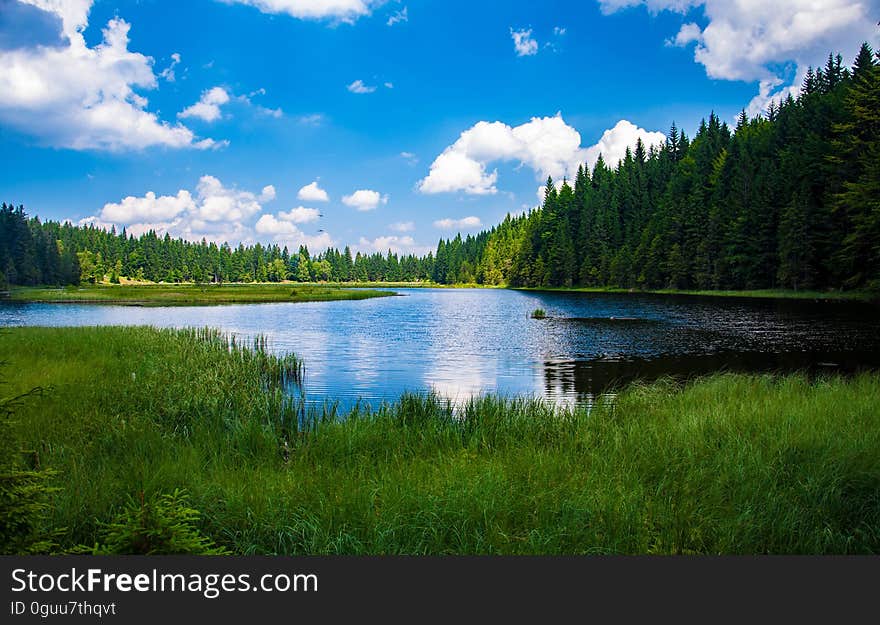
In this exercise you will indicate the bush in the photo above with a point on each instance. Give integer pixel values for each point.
(24, 492)
(164, 524)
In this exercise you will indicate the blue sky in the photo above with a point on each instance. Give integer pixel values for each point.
(370, 124)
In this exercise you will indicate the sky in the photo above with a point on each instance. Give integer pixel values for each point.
(377, 124)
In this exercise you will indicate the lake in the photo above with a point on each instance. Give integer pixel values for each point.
(467, 342)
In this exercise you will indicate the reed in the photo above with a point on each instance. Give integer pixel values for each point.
(190, 294)
(729, 464)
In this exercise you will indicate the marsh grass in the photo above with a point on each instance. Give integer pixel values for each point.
(729, 464)
(191, 294)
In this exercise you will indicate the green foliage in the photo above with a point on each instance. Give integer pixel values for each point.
(539, 313)
(784, 201)
(729, 464)
(164, 524)
(188, 294)
(24, 492)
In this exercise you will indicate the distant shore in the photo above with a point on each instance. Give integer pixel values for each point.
(863, 296)
(190, 294)
(146, 294)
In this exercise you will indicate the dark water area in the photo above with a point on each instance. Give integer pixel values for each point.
(464, 343)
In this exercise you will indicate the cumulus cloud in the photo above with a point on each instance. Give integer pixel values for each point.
(312, 193)
(168, 73)
(80, 97)
(403, 226)
(547, 145)
(340, 10)
(208, 107)
(285, 232)
(360, 88)
(468, 223)
(396, 244)
(688, 33)
(398, 17)
(614, 142)
(213, 212)
(365, 200)
(301, 215)
(523, 42)
(149, 208)
(754, 40)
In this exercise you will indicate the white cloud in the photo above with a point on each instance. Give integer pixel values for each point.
(468, 223)
(547, 145)
(560, 31)
(213, 212)
(754, 40)
(148, 208)
(208, 106)
(365, 200)
(403, 226)
(213, 203)
(80, 97)
(301, 215)
(312, 193)
(168, 73)
(389, 85)
(614, 142)
(409, 157)
(523, 42)
(284, 232)
(398, 17)
(269, 224)
(360, 88)
(313, 120)
(341, 10)
(688, 33)
(398, 245)
(74, 14)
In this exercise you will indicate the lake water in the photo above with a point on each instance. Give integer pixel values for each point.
(464, 343)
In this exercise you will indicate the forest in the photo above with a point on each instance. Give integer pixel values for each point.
(785, 200)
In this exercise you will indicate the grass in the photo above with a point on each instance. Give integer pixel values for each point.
(190, 294)
(865, 296)
(539, 313)
(729, 464)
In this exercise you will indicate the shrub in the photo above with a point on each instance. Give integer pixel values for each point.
(164, 524)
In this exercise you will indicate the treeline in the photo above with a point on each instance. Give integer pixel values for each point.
(32, 252)
(790, 199)
(786, 200)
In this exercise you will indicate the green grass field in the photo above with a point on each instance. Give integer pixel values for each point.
(190, 294)
(732, 464)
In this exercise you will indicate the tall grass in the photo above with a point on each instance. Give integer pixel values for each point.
(729, 464)
(191, 294)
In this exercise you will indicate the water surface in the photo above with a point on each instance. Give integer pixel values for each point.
(467, 342)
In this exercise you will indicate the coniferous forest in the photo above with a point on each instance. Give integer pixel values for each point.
(789, 200)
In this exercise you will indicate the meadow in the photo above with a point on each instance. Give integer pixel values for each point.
(190, 294)
(730, 464)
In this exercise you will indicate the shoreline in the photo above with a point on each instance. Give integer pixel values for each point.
(134, 415)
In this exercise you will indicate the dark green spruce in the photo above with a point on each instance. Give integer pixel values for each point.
(786, 200)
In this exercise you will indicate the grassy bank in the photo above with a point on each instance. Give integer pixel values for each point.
(190, 294)
(864, 296)
(730, 464)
